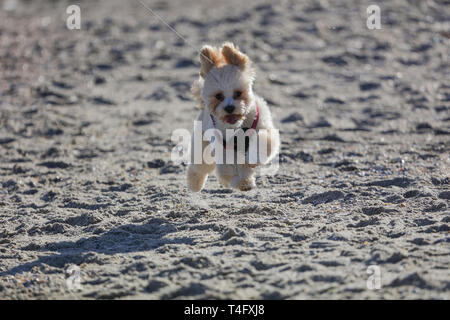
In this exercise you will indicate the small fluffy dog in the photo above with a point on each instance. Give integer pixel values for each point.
(225, 94)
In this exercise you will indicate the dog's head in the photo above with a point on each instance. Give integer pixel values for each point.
(227, 83)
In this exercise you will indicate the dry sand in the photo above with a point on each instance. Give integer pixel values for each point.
(86, 179)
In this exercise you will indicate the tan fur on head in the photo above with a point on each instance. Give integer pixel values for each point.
(233, 56)
(210, 57)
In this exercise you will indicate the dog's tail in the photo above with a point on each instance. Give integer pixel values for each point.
(196, 90)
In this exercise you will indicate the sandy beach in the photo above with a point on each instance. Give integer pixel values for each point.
(87, 182)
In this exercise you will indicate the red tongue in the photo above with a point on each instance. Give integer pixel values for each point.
(232, 118)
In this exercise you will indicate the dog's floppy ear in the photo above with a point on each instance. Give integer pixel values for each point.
(209, 57)
(233, 56)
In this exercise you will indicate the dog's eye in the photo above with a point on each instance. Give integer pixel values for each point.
(219, 96)
(237, 94)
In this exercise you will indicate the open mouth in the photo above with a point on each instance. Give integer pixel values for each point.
(232, 118)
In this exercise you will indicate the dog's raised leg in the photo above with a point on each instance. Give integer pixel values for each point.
(197, 174)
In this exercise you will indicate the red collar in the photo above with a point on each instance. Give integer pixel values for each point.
(254, 124)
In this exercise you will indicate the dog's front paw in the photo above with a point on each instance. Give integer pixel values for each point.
(195, 180)
(243, 184)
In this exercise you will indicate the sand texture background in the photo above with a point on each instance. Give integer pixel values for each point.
(86, 178)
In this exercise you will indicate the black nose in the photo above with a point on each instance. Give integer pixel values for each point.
(229, 109)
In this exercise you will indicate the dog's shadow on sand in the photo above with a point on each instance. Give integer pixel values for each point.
(128, 238)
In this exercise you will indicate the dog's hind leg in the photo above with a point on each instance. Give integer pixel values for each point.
(225, 172)
(245, 180)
